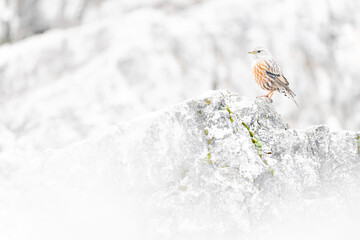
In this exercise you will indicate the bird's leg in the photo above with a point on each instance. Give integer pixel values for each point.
(269, 95)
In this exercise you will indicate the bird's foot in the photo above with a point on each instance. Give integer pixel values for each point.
(267, 96)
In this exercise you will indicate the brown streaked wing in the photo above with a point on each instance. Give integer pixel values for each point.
(273, 70)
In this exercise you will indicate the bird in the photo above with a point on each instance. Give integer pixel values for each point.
(268, 74)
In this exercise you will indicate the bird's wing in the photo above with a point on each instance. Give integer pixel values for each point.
(273, 71)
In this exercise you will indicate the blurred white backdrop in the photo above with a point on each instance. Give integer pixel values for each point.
(69, 69)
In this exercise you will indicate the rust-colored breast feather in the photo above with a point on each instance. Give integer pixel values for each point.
(261, 78)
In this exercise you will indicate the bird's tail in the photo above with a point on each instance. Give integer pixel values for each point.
(290, 94)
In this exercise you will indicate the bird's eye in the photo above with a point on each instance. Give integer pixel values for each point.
(258, 51)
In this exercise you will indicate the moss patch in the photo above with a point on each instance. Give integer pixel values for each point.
(228, 109)
(247, 127)
(208, 140)
(209, 158)
(257, 144)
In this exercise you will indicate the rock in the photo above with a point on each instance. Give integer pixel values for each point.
(216, 167)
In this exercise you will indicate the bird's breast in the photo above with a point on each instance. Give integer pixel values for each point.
(260, 76)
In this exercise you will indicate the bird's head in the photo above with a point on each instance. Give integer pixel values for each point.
(260, 53)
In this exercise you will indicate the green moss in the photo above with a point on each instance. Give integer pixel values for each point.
(246, 126)
(209, 141)
(272, 171)
(199, 112)
(209, 158)
(206, 132)
(358, 143)
(266, 116)
(258, 145)
(228, 109)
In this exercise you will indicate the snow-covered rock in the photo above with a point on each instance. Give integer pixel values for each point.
(220, 166)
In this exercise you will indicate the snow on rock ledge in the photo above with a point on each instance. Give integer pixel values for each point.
(218, 166)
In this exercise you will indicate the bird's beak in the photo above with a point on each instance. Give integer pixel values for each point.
(252, 52)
